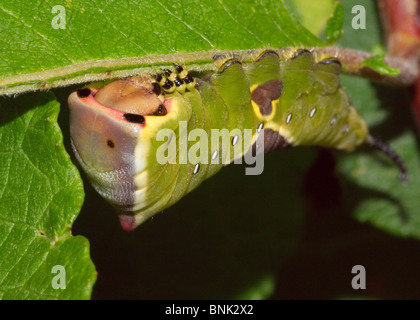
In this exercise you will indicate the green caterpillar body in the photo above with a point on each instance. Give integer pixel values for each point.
(291, 95)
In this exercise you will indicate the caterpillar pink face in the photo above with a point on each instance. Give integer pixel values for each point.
(105, 125)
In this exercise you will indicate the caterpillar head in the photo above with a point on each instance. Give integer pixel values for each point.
(108, 129)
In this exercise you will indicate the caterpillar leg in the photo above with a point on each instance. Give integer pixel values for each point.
(382, 146)
(171, 81)
(185, 77)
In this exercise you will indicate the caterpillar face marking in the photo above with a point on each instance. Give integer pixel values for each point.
(110, 144)
(104, 138)
(83, 93)
(135, 118)
(287, 94)
(161, 111)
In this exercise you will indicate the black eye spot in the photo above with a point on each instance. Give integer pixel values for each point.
(110, 144)
(83, 93)
(161, 111)
(132, 117)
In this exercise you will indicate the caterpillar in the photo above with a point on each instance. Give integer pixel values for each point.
(291, 97)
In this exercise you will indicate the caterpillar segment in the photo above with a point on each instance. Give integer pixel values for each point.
(121, 132)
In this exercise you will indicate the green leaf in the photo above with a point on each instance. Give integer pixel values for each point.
(377, 63)
(335, 24)
(109, 38)
(40, 196)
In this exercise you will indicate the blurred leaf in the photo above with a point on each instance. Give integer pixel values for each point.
(335, 24)
(115, 29)
(312, 14)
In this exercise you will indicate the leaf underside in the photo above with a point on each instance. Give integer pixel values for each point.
(104, 30)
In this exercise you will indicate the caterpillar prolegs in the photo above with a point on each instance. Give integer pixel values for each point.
(293, 96)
